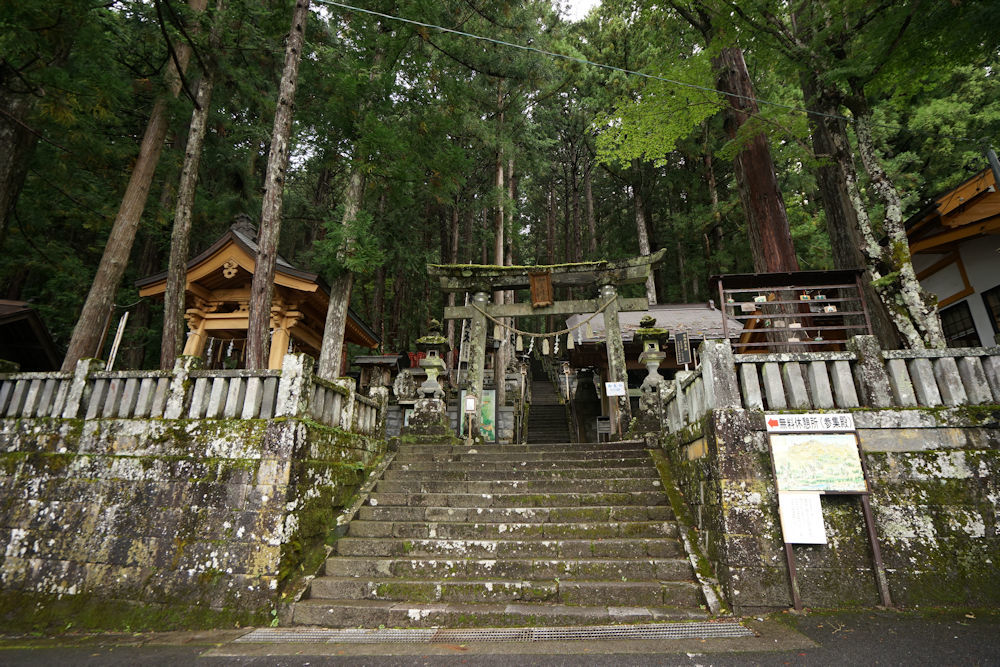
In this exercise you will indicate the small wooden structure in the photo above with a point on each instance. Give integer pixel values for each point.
(218, 298)
(24, 338)
(793, 311)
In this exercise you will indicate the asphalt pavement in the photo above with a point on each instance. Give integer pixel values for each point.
(812, 638)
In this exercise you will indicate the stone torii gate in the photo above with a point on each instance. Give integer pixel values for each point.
(604, 276)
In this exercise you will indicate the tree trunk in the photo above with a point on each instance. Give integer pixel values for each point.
(640, 226)
(332, 352)
(550, 225)
(452, 259)
(132, 356)
(891, 268)
(172, 339)
(767, 221)
(378, 290)
(500, 358)
(588, 195)
(262, 287)
(832, 149)
(470, 224)
(575, 202)
(17, 145)
(331, 356)
(715, 226)
(18, 97)
(100, 299)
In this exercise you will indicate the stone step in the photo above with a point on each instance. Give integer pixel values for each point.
(391, 614)
(493, 468)
(510, 486)
(540, 499)
(403, 471)
(524, 448)
(576, 592)
(653, 569)
(537, 531)
(625, 548)
(517, 514)
(488, 454)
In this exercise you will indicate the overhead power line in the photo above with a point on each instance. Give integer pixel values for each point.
(644, 75)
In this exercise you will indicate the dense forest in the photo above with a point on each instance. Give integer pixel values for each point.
(740, 136)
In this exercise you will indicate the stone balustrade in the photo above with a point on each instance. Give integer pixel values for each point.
(864, 376)
(188, 392)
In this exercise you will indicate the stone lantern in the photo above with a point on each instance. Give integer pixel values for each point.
(434, 345)
(651, 337)
(430, 417)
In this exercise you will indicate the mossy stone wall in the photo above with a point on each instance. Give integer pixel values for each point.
(935, 481)
(206, 513)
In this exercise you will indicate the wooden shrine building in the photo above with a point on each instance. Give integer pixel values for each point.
(218, 298)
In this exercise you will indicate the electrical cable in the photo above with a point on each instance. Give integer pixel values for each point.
(629, 72)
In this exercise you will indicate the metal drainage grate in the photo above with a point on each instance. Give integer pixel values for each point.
(695, 630)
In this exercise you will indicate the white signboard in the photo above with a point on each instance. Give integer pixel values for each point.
(801, 518)
(809, 422)
(614, 388)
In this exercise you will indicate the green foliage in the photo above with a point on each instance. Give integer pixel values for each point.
(424, 115)
(648, 125)
(348, 246)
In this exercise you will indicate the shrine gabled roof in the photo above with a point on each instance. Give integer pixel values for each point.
(970, 210)
(237, 236)
(700, 321)
(285, 274)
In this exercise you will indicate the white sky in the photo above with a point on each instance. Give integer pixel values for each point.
(577, 9)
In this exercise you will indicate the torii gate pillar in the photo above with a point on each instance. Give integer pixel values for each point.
(477, 358)
(616, 353)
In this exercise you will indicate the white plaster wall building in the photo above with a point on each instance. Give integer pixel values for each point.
(955, 242)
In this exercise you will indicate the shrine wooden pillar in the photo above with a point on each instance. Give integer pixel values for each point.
(195, 344)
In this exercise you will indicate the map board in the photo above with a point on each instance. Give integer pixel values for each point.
(818, 462)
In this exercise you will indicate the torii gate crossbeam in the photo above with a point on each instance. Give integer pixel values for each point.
(605, 276)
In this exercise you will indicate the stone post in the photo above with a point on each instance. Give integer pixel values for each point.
(78, 386)
(718, 372)
(381, 395)
(348, 404)
(872, 375)
(477, 355)
(295, 386)
(177, 393)
(616, 351)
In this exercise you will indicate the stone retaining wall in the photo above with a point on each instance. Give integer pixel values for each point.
(934, 473)
(208, 512)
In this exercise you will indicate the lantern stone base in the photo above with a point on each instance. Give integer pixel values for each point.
(430, 417)
(647, 418)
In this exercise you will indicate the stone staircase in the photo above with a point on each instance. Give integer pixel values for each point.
(547, 416)
(515, 535)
